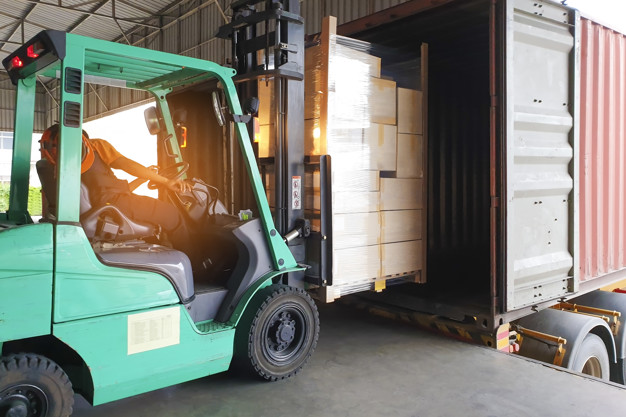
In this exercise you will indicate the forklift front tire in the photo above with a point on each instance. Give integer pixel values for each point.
(32, 385)
(278, 333)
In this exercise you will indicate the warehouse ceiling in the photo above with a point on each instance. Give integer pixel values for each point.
(185, 27)
(127, 21)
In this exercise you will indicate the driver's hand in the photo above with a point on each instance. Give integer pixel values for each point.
(179, 186)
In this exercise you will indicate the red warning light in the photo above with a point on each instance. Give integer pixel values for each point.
(30, 52)
(16, 62)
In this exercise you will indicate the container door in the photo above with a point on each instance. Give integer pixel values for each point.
(540, 105)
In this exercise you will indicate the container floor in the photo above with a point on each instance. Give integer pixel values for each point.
(369, 366)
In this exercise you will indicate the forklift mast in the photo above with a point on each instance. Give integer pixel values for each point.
(268, 44)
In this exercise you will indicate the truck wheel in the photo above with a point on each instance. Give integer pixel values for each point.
(279, 333)
(32, 385)
(592, 358)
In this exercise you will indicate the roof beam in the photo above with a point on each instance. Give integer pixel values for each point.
(6, 41)
(19, 23)
(177, 19)
(134, 6)
(80, 21)
(74, 10)
(163, 11)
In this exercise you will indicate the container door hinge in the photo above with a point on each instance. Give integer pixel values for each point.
(495, 202)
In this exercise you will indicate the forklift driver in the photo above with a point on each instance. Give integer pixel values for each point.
(99, 156)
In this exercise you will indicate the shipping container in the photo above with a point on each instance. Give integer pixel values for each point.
(525, 162)
(502, 101)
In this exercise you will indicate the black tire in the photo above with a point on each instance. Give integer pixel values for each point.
(592, 358)
(32, 385)
(278, 333)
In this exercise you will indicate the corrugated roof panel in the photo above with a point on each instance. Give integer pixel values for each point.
(126, 11)
(98, 27)
(345, 11)
(170, 39)
(7, 104)
(189, 32)
(53, 17)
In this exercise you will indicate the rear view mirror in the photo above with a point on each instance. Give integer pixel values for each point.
(152, 120)
(217, 108)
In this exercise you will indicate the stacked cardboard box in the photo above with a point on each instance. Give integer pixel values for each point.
(264, 135)
(402, 208)
(372, 131)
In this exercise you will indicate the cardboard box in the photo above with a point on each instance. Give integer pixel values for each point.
(410, 158)
(312, 133)
(401, 258)
(348, 59)
(382, 101)
(400, 225)
(345, 201)
(344, 144)
(355, 180)
(346, 180)
(267, 110)
(312, 58)
(410, 111)
(351, 60)
(356, 229)
(381, 140)
(345, 64)
(266, 140)
(400, 194)
(356, 264)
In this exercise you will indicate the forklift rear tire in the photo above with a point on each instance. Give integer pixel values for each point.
(279, 332)
(32, 385)
(592, 358)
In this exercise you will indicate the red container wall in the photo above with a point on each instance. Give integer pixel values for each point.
(602, 151)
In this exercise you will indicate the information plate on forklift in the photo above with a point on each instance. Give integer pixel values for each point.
(296, 193)
(153, 330)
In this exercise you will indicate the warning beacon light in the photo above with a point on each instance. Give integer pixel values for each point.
(42, 50)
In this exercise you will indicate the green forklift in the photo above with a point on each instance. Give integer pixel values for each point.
(93, 302)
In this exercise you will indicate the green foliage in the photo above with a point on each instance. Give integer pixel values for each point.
(4, 197)
(34, 199)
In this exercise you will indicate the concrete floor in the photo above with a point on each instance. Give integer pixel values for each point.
(369, 366)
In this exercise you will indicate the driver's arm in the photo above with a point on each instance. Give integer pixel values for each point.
(140, 171)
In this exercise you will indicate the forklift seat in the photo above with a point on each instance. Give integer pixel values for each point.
(172, 264)
(104, 223)
(108, 223)
(116, 237)
(45, 171)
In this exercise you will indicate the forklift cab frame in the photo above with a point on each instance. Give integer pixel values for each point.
(125, 329)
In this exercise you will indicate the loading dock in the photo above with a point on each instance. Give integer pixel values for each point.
(371, 366)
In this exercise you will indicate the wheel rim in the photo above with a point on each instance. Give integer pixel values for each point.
(592, 367)
(23, 401)
(284, 334)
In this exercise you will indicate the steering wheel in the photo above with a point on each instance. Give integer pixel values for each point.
(172, 172)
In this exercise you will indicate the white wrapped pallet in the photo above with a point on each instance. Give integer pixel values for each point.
(352, 115)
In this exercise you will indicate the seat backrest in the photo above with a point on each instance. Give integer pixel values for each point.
(85, 203)
(45, 171)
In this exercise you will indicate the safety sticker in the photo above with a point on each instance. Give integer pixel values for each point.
(296, 192)
(153, 330)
